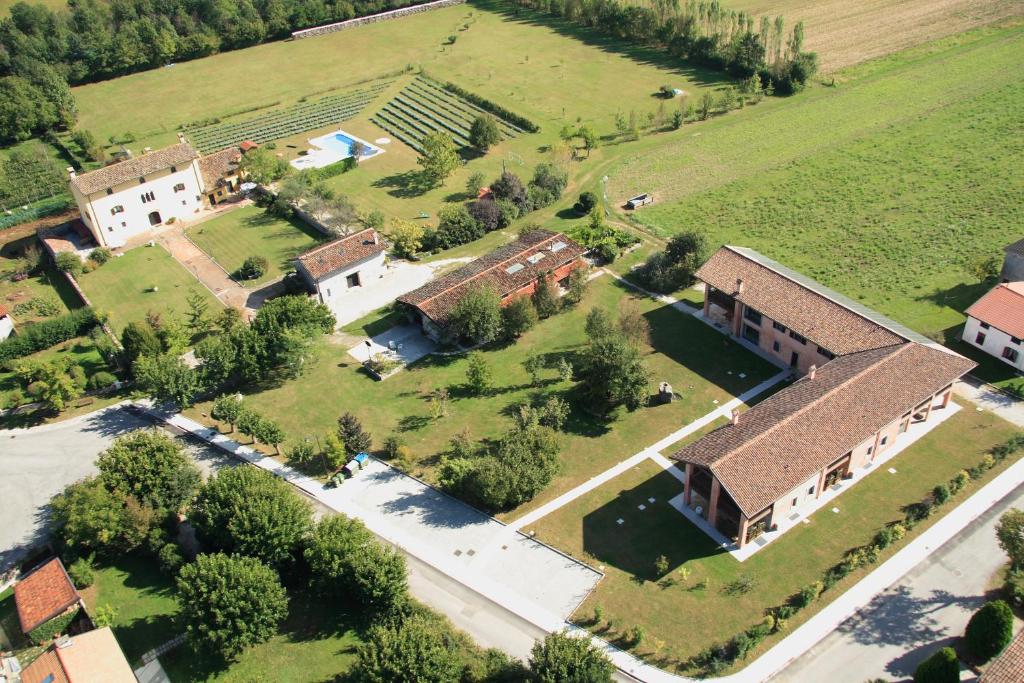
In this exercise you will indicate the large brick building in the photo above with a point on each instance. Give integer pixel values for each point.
(865, 380)
(511, 270)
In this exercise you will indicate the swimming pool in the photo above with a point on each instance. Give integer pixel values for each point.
(332, 148)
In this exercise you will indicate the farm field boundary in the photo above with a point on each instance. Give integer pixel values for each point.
(373, 18)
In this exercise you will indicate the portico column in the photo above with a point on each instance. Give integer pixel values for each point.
(821, 484)
(737, 318)
(946, 397)
(928, 410)
(744, 523)
(707, 299)
(713, 503)
(686, 484)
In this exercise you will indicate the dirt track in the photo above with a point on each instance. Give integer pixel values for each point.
(844, 32)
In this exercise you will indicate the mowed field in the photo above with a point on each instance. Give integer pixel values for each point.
(548, 71)
(845, 33)
(886, 187)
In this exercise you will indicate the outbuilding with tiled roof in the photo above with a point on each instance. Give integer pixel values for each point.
(340, 271)
(1008, 667)
(43, 594)
(995, 324)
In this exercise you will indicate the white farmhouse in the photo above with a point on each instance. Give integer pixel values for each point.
(128, 198)
(6, 323)
(339, 270)
(995, 323)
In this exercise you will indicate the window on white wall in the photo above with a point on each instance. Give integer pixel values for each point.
(114, 210)
(148, 197)
(980, 339)
(180, 187)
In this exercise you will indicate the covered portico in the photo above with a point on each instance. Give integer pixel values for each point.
(704, 494)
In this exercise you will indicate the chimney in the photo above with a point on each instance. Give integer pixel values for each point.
(71, 171)
(812, 371)
(735, 416)
(376, 240)
(739, 285)
(181, 137)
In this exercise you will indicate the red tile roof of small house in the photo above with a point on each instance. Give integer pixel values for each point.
(43, 667)
(246, 145)
(533, 254)
(3, 311)
(134, 168)
(214, 167)
(43, 594)
(341, 253)
(91, 657)
(782, 441)
(1002, 308)
(1009, 666)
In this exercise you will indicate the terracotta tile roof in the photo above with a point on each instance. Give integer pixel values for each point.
(213, 167)
(45, 665)
(1016, 248)
(823, 316)
(95, 657)
(437, 298)
(1002, 308)
(44, 593)
(134, 168)
(1009, 666)
(779, 443)
(3, 311)
(341, 253)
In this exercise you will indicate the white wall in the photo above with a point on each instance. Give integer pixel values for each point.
(335, 292)
(6, 327)
(113, 230)
(808, 491)
(994, 343)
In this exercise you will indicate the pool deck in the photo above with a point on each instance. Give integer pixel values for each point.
(323, 154)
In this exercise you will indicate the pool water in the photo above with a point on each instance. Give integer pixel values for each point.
(342, 144)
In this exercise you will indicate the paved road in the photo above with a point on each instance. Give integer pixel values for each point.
(928, 608)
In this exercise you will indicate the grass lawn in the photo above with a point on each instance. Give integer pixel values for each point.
(250, 231)
(123, 286)
(144, 599)
(886, 187)
(81, 351)
(315, 643)
(629, 595)
(699, 363)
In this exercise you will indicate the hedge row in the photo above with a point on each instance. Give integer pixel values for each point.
(717, 658)
(43, 335)
(47, 630)
(331, 170)
(496, 109)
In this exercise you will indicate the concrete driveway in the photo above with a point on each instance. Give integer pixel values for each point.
(38, 463)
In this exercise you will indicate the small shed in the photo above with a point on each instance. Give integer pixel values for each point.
(639, 200)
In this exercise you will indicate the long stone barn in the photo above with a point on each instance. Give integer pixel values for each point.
(511, 270)
(864, 380)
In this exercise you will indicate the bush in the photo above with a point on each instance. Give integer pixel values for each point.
(253, 267)
(990, 630)
(940, 494)
(52, 628)
(1013, 587)
(81, 573)
(585, 204)
(170, 559)
(518, 317)
(47, 333)
(808, 594)
(100, 255)
(68, 262)
(101, 380)
(606, 251)
(941, 667)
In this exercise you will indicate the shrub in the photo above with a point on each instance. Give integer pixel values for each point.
(68, 262)
(941, 667)
(606, 251)
(352, 434)
(808, 594)
(252, 268)
(52, 628)
(100, 255)
(170, 558)
(1013, 586)
(585, 204)
(101, 380)
(989, 630)
(47, 333)
(961, 480)
(81, 572)
(483, 132)
(486, 213)
(940, 494)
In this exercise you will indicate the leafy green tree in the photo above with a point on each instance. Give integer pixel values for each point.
(589, 138)
(477, 315)
(417, 649)
(533, 364)
(88, 518)
(406, 237)
(455, 226)
(575, 287)
(438, 157)
(990, 630)
(270, 433)
(479, 375)
(612, 372)
(218, 360)
(986, 268)
(518, 317)
(262, 166)
(522, 463)
(334, 452)
(545, 298)
(352, 434)
(52, 382)
(166, 378)
(1010, 534)
(248, 511)
(561, 658)
(227, 408)
(229, 603)
(198, 312)
(484, 133)
(69, 262)
(554, 413)
(348, 563)
(942, 667)
(152, 467)
(476, 181)
(585, 204)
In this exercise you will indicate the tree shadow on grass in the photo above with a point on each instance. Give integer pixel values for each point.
(635, 545)
(404, 185)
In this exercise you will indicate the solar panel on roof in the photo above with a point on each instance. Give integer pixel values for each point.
(514, 268)
(557, 247)
(536, 257)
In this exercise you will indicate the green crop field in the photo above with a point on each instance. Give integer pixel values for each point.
(886, 187)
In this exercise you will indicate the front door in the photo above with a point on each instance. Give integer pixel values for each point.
(154, 218)
(794, 359)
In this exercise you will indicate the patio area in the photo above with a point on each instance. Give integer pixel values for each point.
(404, 343)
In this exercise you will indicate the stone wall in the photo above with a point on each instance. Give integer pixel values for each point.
(373, 18)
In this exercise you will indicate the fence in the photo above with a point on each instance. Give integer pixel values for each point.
(373, 18)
